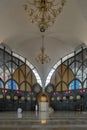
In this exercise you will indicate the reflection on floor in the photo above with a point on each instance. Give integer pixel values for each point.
(43, 120)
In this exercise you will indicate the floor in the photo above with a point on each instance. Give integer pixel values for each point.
(43, 121)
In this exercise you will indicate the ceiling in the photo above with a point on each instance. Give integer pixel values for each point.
(68, 32)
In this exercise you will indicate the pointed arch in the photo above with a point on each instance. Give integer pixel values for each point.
(61, 86)
(11, 84)
(25, 86)
(75, 84)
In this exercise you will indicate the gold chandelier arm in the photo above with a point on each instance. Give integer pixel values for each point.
(33, 2)
(44, 12)
(62, 3)
(42, 57)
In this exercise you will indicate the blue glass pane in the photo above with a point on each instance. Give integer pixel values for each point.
(75, 85)
(12, 84)
(9, 84)
(0, 84)
(72, 85)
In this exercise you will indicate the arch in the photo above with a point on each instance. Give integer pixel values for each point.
(1, 83)
(13, 58)
(55, 67)
(37, 88)
(25, 74)
(11, 84)
(61, 86)
(81, 73)
(18, 74)
(85, 83)
(14, 66)
(43, 97)
(62, 74)
(75, 84)
(50, 88)
(4, 75)
(56, 77)
(25, 86)
(31, 78)
(72, 60)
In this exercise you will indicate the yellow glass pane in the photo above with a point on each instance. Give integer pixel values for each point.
(64, 87)
(64, 72)
(22, 87)
(28, 88)
(58, 88)
(24, 70)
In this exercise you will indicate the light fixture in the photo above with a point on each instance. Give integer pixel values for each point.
(43, 12)
(43, 121)
(42, 57)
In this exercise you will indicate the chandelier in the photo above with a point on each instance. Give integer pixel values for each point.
(42, 57)
(43, 12)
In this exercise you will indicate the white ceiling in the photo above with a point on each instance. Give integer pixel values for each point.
(67, 33)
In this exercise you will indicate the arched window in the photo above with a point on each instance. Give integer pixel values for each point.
(25, 86)
(14, 66)
(61, 87)
(75, 84)
(11, 84)
(85, 84)
(1, 84)
(55, 67)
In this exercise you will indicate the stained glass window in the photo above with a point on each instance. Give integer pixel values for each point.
(75, 84)
(1, 84)
(11, 84)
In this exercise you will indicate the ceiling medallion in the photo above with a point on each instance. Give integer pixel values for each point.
(43, 12)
